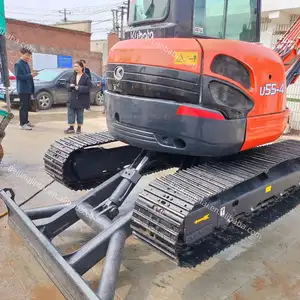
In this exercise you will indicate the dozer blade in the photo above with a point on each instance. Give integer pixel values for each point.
(61, 273)
(66, 271)
(107, 209)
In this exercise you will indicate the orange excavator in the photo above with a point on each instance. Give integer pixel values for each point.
(198, 104)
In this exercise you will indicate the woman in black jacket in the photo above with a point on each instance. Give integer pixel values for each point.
(79, 97)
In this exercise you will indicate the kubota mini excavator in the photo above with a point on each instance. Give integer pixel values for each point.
(189, 88)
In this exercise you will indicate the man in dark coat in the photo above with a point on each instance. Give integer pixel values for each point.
(25, 86)
(86, 69)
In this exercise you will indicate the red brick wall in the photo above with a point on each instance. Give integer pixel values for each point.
(48, 40)
(48, 36)
(112, 39)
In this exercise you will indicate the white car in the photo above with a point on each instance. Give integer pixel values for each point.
(11, 76)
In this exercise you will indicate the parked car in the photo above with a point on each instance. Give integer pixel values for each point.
(11, 76)
(50, 88)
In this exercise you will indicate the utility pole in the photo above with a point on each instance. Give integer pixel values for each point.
(122, 21)
(65, 12)
(117, 23)
(114, 20)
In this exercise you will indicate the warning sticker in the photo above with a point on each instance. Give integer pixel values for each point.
(186, 58)
(204, 218)
(268, 189)
(198, 30)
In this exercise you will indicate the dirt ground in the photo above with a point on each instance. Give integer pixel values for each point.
(268, 268)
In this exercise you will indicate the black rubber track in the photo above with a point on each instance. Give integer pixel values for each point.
(80, 163)
(161, 209)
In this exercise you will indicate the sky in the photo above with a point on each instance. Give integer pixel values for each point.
(47, 12)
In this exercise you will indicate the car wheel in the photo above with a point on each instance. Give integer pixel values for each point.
(45, 100)
(99, 99)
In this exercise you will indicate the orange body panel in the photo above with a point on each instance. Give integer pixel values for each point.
(265, 129)
(264, 65)
(155, 52)
(267, 119)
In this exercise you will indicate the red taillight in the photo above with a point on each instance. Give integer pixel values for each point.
(198, 112)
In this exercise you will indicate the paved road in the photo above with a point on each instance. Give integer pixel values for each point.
(267, 268)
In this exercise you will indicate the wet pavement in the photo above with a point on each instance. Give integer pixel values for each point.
(259, 269)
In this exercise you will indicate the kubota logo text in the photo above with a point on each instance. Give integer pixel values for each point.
(137, 34)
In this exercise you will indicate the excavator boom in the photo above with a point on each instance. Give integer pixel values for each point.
(288, 47)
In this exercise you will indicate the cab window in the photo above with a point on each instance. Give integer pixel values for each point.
(147, 10)
(226, 19)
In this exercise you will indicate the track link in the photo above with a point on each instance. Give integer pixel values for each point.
(80, 162)
(163, 208)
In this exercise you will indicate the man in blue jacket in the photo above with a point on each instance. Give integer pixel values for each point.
(25, 86)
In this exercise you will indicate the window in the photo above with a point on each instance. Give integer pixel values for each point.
(47, 75)
(230, 19)
(241, 20)
(94, 77)
(145, 10)
(67, 76)
(208, 17)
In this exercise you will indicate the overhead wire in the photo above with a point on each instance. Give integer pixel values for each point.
(49, 17)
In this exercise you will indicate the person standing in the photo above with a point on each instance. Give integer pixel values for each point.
(79, 88)
(103, 88)
(25, 86)
(86, 69)
(88, 72)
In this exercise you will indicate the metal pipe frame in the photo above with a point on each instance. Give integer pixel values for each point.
(39, 226)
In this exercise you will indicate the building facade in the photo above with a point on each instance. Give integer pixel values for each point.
(103, 46)
(50, 44)
(85, 26)
(277, 17)
(100, 46)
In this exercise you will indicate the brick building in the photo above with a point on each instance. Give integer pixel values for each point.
(103, 46)
(112, 39)
(46, 39)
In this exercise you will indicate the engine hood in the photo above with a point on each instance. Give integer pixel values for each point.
(176, 53)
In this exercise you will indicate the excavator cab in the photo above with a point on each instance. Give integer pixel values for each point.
(220, 19)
